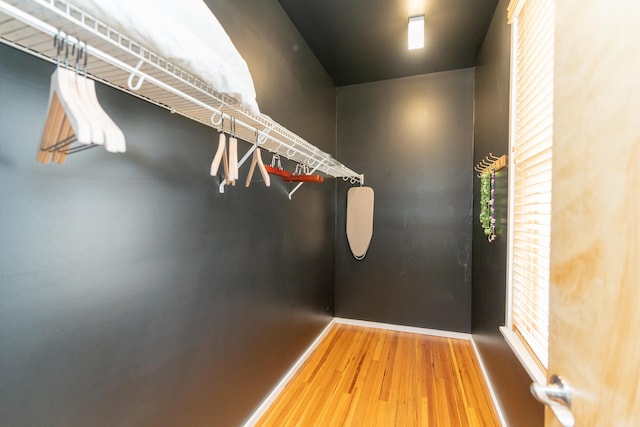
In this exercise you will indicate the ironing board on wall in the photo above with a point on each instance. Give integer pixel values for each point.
(359, 220)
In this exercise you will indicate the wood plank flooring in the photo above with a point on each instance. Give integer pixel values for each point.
(372, 377)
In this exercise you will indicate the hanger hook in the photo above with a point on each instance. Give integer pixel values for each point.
(86, 57)
(58, 43)
(66, 51)
(135, 74)
(215, 122)
(264, 134)
(79, 54)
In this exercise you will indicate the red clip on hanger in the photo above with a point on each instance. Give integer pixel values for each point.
(302, 174)
(276, 167)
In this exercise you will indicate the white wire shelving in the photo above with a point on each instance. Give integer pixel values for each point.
(116, 60)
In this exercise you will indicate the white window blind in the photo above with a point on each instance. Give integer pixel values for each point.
(531, 142)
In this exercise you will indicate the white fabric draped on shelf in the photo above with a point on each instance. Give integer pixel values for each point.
(185, 33)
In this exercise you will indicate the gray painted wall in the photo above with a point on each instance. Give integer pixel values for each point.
(413, 138)
(509, 379)
(131, 291)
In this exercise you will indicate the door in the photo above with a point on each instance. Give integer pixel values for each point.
(595, 238)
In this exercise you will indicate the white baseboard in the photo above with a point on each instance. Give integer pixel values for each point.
(268, 401)
(494, 398)
(400, 328)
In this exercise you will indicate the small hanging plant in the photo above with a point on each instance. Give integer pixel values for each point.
(487, 203)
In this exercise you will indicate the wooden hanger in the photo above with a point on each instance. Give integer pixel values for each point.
(66, 121)
(52, 128)
(221, 157)
(74, 114)
(257, 160)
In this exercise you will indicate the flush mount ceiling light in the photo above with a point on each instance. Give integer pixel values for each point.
(416, 32)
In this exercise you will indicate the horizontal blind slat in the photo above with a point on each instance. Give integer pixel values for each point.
(529, 304)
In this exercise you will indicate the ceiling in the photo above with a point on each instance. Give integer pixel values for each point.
(360, 41)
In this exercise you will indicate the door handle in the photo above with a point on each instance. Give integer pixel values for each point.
(557, 395)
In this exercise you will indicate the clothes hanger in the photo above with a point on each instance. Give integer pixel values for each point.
(114, 140)
(55, 124)
(66, 122)
(74, 114)
(97, 135)
(67, 136)
(221, 155)
(257, 160)
(65, 87)
(52, 127)
(302, 174)
(95, 120)
(55, 116)
(276, 167)
(233, 153)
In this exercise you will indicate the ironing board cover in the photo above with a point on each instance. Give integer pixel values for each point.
(359, 220)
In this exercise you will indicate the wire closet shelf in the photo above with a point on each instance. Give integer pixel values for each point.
(30, 25)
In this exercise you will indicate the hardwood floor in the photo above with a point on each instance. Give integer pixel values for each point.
(372, 377)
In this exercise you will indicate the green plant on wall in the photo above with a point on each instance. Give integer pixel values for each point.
(487, 203)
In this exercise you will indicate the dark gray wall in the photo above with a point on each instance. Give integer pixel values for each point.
(413, 139)
(133, 293)
(509, 379)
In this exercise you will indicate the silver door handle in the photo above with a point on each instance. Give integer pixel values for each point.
(557, 395)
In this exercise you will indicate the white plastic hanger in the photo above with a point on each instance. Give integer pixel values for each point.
(74, 113)
(114, 140)
(66, 122)
(88, 109)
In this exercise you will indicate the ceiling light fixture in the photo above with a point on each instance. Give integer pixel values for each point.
(416, 32)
